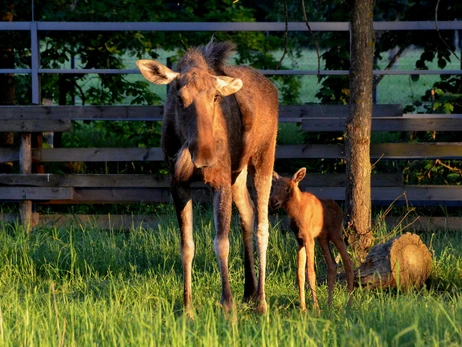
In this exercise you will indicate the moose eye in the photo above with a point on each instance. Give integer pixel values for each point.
(216, 97)
(288, 190)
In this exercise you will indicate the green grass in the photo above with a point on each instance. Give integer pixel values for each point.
(86, 287)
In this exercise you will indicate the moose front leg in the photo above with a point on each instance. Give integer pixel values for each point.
(222, 203)
(183, 205)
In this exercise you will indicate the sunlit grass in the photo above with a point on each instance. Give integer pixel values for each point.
(84, 287)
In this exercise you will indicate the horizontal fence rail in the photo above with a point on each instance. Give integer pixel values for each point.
(71, 189)
(36, 27)
(27, 187)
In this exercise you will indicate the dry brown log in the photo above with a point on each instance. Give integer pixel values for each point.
(404, 262)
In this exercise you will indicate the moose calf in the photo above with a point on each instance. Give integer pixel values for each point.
(312, 218)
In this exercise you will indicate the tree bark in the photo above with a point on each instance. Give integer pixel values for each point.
(358, 130)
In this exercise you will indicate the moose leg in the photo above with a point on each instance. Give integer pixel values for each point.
(262, 186)
(301, 268)
(183, 205)
(245, 207)
(347, 264)
(331, 267)
(262, 176)
(222, 204)
(309, 244)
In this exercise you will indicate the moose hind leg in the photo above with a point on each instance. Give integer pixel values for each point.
(331, 267)
(222, 203)
(347, 264)
(246, 208)
(262, 180)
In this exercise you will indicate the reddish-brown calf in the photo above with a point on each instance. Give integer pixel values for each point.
(312, 218)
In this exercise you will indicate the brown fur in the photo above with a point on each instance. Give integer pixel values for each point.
(312, 218)
(220, 124)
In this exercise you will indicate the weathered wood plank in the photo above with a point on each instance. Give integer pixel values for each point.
(151, 181)
(416, 195)
(25, 167)
(148, 113)
(8, 154)
(35, 125)
(151, 113)
(35, 193)
(322, 111)
(85, 180)
(445, 150)
(436, 150)
(385, 124)
(339, 180)
(407, 193)
(97, 154)
(310, 151)
(124, 195)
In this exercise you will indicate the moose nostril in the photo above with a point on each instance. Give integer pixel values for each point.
(274, 204)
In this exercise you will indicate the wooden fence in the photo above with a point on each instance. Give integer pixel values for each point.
(28, 188)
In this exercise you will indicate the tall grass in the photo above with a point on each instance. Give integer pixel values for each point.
(86, 287)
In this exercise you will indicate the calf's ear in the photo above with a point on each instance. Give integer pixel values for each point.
(155, 72)
(299, 175)
(275, 176)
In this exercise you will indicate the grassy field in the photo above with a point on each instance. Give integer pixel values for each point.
(85, 287)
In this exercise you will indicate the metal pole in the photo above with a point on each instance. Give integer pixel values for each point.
(35, 63)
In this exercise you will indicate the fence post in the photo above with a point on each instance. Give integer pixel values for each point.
(25, 167)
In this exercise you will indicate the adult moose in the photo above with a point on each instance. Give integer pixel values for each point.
(220, 124)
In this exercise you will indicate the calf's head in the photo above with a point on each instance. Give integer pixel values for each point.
(196, 99)
(283, 188)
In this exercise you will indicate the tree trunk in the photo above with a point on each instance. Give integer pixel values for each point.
(7, 95)
(358, 130)
(403, 262)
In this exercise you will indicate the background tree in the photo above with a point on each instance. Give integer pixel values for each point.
(358, 130)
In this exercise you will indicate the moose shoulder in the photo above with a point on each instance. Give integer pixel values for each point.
(220, 124)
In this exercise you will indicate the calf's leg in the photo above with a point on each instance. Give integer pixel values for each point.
(347, 264)
(309, 244)
(301, 269)
(331, 267)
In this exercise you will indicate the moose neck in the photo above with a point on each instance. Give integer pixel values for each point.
(294, 205)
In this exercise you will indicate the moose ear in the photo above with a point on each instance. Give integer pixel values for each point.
(228, 85)
(299, 175)
(276, 176)
(155, 72)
